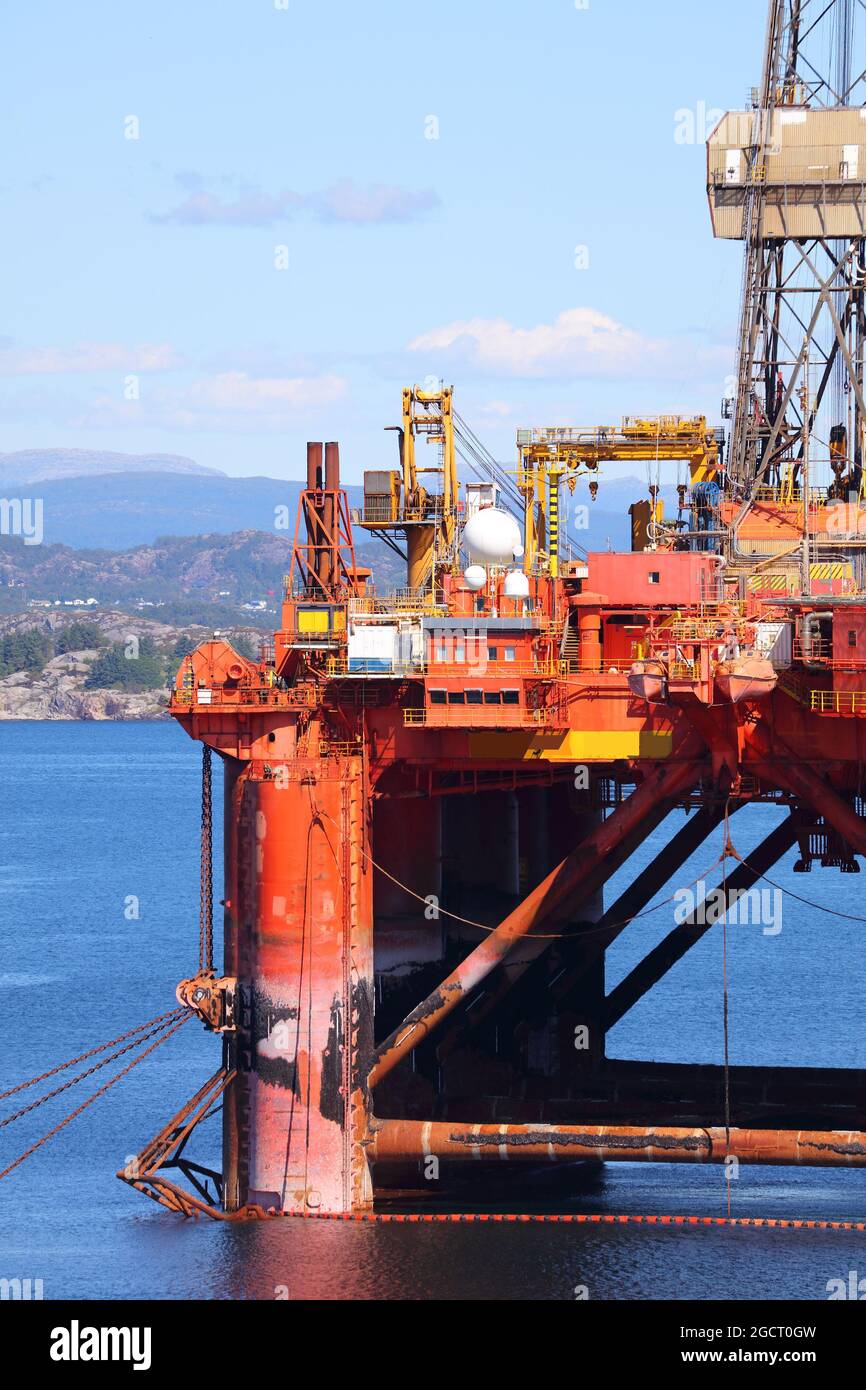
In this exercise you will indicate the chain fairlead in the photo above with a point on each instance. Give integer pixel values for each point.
(212, 998)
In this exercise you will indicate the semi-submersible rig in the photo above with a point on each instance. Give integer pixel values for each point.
(427, 790)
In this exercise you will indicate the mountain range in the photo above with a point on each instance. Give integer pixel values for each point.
(34, 465)
(117, 502)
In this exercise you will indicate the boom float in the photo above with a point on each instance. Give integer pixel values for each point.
(427, 790)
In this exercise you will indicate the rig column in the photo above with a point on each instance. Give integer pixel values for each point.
(301, 911)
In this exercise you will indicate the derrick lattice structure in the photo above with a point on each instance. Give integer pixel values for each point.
(787, 176)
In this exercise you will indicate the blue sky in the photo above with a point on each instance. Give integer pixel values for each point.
(148, 265)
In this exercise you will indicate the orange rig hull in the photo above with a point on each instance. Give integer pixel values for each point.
(416, 850)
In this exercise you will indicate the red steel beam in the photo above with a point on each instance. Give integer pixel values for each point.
(566, 881)
(600, 933)
(788, 772)
(680, 940)
(413, 1140)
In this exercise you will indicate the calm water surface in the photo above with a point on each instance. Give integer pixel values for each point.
(93, 814)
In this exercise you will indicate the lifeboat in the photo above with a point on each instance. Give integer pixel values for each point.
(648, 680)
(746, 677)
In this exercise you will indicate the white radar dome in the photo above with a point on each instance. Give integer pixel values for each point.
(516, 585)
(492, 536)
(476, 578)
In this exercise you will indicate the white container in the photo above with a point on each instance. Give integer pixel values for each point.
(372, 649)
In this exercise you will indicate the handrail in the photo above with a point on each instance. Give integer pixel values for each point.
(477, 716)
(839, 701)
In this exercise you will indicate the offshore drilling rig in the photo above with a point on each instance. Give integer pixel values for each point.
(427, 790)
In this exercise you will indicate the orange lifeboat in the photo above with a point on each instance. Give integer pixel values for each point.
(648, 680)
(747, 677)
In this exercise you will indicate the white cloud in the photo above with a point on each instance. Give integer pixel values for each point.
(236, 391)
(229, 401)
(250, 209)
(579, 343)
(344, 201)
(348, 202)
(87, 357)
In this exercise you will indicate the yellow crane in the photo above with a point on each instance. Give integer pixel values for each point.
(400, 500)
(550, 457)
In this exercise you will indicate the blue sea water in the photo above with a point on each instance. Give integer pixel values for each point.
(94, 815)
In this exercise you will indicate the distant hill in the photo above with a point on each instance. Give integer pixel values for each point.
(205, 579)
(115, 511)
(36, 465)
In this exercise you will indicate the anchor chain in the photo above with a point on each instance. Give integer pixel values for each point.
(211, 999)
(205, 918)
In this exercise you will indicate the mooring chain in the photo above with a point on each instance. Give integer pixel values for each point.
(112, 1081)
(160, 1029)
(166, 1022)
(83, 1056)
(205, 935)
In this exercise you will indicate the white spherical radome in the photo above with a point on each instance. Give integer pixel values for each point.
(476, 578)
(516, 584)
(492, 537)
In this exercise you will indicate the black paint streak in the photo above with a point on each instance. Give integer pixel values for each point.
(630, 1143)
(331, 1101)
(363, 1015)
(852, 1150)
(280, 1071)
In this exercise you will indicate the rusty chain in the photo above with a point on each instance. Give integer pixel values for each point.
(205, 933)
(73, 1114)
(112, 1057)
(83, 1056)
(160, 1028)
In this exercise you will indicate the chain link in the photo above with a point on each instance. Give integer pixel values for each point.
(82, 1057)
(205, 934)
(73, 1114)
(97, 1066)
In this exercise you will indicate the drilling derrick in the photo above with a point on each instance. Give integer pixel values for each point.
(428, 790)
(788, 178)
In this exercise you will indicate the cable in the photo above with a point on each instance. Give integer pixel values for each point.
(205, 925)
(106, 1061)
(831, 911)
(67, 1119)
(725, 1002)
(64, 1066)
(583, 935)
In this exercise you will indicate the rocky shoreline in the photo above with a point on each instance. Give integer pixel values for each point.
(59, 694)
(60, 691)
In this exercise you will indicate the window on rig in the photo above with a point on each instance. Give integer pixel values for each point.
(475, 697)
(511, 697)
(457, 697)
(852, 638)
(437, 697)
(493, 697)
(510, 654)
(655, 577)
(492, 653)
